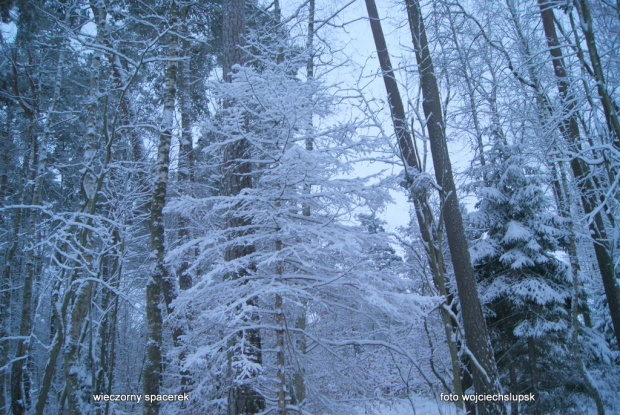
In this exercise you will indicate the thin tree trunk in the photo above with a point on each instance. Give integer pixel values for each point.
(112, 353)
(17, 404)
(280, 330)
(160, 280)
(299, 387)
(77, 399)
(486, 379)
(5, 283)
(186, 153)
(533, 371)
(185, 178)
(28, 175)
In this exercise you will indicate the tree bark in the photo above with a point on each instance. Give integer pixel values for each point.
(486, 379)
(185, 178)
(186, 152)
(242, 398)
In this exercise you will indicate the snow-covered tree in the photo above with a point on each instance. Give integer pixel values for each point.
(290, 293)
(525, 288)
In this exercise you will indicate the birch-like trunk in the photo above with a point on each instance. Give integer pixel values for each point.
(160, 280)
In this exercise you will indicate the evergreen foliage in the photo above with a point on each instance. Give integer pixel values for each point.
(525, 288)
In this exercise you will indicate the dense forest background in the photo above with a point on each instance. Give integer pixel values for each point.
(193, 201)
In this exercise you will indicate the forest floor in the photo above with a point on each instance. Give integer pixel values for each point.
(419, 405)
(424, 405)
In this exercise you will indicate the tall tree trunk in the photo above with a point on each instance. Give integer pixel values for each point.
(5, 283)
(280, 324)
(17, 403)
(186, 152)
(299, 387)
(418, 193)
(242, 398)
(514, 386)
(569, 129)
(486, 378)
(185, 176)
(160, 280)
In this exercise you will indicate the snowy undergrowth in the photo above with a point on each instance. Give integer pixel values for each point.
(425, 405)
(417, 405)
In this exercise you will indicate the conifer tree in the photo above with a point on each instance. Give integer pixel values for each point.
(526, 290)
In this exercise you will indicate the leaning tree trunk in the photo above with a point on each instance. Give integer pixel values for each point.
(486, 378)
(418, 192)
(160, 279)
(588, 189)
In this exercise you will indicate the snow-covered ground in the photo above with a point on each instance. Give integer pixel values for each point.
(419, 405)
(423, 405)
